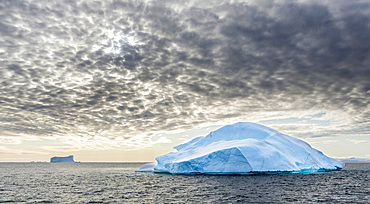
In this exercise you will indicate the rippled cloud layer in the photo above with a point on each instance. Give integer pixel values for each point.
(120, 71)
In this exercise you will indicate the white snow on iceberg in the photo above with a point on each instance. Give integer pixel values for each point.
(243, 148)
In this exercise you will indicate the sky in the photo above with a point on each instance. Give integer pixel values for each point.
(128, 80)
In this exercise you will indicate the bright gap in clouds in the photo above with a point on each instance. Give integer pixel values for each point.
(102, 149)
(119, 41)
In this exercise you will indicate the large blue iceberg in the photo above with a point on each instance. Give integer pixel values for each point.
(68, 159)
(243, 148)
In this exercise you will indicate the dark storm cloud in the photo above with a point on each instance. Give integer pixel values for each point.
(132, 67)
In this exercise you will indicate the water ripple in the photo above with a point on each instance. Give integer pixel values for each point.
(117, 183)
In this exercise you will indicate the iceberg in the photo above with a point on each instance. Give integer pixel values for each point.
(243, 148)
(147, 167)
(68, 159)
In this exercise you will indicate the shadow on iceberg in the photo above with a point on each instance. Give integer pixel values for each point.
(243, 149)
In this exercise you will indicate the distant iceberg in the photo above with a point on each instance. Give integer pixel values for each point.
(243, 148)
(68, 159)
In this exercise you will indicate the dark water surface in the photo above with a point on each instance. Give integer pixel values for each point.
(118, 183)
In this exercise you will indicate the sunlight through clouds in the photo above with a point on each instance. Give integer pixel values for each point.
(118, 42)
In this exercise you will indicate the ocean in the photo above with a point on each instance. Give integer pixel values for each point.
(119, 183)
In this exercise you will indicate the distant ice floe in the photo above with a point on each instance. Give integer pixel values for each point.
(243, 148)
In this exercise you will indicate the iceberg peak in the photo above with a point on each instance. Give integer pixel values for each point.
(237, 131)
(243, 148)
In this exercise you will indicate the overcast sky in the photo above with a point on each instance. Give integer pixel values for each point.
(124, 75)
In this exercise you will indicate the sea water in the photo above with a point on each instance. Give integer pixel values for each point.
(119, 183)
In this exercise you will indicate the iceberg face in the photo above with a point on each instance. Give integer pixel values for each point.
(68, 159)
(243, 148)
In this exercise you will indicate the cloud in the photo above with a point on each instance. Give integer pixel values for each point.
(17, 139)
(10, 151)
(358, 141)
(162, 140)
(128, 69)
